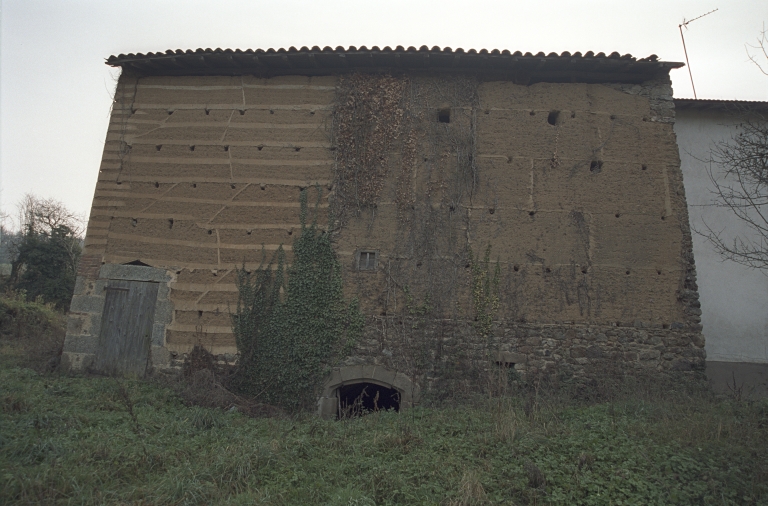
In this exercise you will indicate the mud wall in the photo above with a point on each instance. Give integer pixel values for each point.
(576, 187)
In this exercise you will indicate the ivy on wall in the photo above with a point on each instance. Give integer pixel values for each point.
(291, 323)
(485, 290)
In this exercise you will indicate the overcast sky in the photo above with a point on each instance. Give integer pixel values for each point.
(55, 88)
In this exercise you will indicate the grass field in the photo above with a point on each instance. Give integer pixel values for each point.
(94, 440)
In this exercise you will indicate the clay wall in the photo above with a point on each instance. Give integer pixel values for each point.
(577, 187)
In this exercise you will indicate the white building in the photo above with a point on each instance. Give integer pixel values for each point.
(734, 298)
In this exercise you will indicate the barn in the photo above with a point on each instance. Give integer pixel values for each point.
(490, 210)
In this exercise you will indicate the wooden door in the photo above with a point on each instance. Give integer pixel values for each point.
(126, 328)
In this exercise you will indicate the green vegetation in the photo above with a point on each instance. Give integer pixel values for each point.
(485, 290)
(95, 440)
(290, 326)
(46, 251)
(79, 440)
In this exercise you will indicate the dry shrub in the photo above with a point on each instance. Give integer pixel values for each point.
(33, 331)
(204, 383)
(471, 491)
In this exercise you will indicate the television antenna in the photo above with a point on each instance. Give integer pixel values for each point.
(685, 24)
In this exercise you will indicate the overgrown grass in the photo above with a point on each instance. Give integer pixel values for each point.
(93, 440)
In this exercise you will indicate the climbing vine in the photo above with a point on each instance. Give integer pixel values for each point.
(291, 323)
(367, 118)
(485, 290)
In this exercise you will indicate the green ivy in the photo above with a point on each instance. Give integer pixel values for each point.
(291, 324)
(485, 290)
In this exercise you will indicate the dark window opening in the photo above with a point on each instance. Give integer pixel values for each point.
(366, 261)
(359, 399)
(553, 117)
(137, 262)
(444, 115)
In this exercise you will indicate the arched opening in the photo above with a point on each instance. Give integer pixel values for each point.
(357, 399)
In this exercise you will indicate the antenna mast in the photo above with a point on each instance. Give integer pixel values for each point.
(680, 26)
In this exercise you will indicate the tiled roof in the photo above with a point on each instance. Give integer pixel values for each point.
(708, 104)
(576, 67)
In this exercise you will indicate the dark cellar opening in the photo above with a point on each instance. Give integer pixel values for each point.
(358, 399)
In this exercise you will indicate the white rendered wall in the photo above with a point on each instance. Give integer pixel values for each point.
(734, 298)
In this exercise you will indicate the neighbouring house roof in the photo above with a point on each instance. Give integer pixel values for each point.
(701, 104)
(517, 66)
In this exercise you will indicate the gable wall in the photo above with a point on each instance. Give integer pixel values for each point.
(582, 252)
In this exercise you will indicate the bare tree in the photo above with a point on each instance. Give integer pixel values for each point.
(50, 217)
(761, 49)
(738, 171)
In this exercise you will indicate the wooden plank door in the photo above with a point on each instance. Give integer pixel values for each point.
(126, 328)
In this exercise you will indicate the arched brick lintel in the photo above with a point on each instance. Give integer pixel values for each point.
(410, 392)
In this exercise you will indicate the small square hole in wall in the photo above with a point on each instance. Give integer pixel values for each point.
(444, 115)
(366, 261)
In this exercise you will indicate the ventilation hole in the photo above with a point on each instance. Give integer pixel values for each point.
(532, 113)
(207, 112)
(509, 159)
(596, 166)
(466, 266)
(199, 314)
(665, 325)
(242, 112)
(658, 271)
(627, 273)
(297, 149)
(134, 222)
(170, 112)
(516, 268)
(271, 111)
(418, 264)
(618, 324)
(645, 167)
(210, 232)
(553, 117)
(613, 116)
(192, 148)
(226, 148)
(531, 213)
(248, 232)
(311, 113)
(583, 270)
(425, 158)
(259, 147)
(215, 273)
(487, 111)
(133, 111)
(617, 215)
(290, 232)
(444, 116)
(548, 269)
(332, 148)
(263, 187)
(491, 210)
(170, 222)
(232, 186)
(573, 115)
(157, 185)
(119, 183)
(194, 185)
(663, 218)
(159, 147)
(645, 119)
